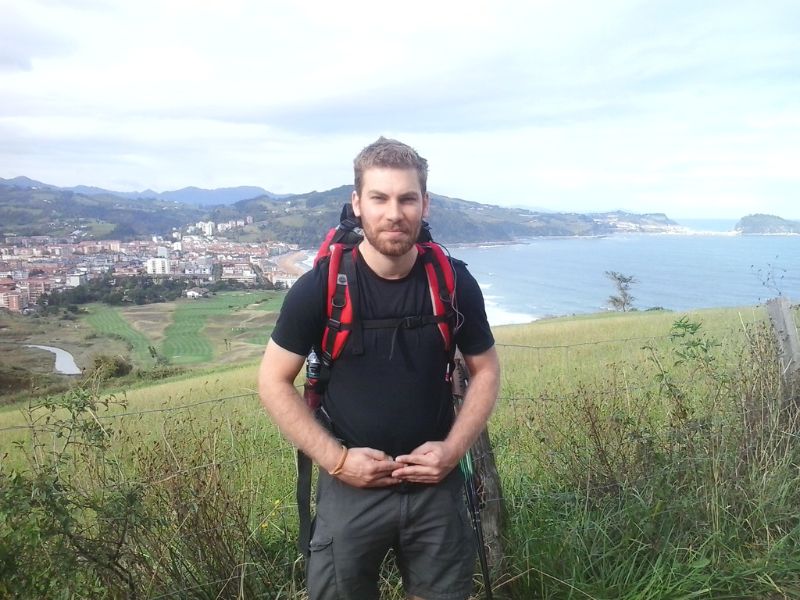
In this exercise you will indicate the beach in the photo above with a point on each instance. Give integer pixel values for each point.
(292, 263)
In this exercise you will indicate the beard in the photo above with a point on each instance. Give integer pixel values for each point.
(395, 246)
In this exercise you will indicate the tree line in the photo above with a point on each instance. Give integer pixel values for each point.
(134, 289)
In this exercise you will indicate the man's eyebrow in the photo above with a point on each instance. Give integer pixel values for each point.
(380, 194)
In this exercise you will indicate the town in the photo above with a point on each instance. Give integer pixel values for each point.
(33, 266)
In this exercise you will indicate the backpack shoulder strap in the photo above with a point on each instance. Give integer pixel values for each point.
(442, 286)
(340, 301)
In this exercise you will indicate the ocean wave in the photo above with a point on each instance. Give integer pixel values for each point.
(499, 316)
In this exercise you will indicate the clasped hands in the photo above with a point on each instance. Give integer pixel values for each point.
(428, 463)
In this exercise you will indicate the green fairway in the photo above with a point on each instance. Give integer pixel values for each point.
(198, 330)
(187, 338)
(109, 321)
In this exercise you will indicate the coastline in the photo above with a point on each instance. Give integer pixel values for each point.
(293, 263)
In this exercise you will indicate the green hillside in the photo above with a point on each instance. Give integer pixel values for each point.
(304, 219)
(35, 211)
(642, 455)
(301, 219)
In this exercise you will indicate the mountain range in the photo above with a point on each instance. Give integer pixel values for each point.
(29, 207)
(189, 195)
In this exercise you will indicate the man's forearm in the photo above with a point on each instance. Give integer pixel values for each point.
(297, 423)
(479, 401)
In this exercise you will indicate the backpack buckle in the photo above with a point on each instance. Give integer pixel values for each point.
(412, 322)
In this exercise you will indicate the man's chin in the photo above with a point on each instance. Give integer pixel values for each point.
(394, 249)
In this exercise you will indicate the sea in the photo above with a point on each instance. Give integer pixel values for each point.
(707, 265)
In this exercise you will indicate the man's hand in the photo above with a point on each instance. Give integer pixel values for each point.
(429, 463)
(366, 467)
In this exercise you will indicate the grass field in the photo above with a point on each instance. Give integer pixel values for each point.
(642, 456)
(109, 321)
(224, 330)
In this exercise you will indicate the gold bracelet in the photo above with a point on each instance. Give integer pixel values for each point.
(340, 465)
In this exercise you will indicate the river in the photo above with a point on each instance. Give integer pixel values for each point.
(65, 362)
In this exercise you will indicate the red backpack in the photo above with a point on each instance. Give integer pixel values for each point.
(343, 326)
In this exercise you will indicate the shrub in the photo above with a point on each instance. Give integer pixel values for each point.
(107, 367)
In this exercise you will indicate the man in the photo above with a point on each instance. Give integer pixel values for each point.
(388, 476)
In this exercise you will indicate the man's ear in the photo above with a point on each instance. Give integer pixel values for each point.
(426, 205)
(355, 203)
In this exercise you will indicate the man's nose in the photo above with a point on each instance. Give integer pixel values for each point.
(393, 212)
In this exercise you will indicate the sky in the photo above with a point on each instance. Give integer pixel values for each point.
(682, 107)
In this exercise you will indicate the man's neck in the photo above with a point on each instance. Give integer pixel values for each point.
(388, 267)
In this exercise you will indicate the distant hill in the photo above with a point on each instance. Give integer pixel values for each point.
(189, 195)
(29, 207)
(766, 224)
(304, 218)
(47, 210)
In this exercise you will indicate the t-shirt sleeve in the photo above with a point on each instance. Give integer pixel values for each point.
(302, 318)
(474, 336)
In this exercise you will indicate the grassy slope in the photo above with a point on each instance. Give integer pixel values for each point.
(547, 357)
(221, 330)
(569, 537)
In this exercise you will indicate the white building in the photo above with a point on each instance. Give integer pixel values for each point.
(75, 279)
(283, 280)
(158, 266)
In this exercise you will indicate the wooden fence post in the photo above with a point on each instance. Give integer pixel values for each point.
(490, 490)
(785, 328)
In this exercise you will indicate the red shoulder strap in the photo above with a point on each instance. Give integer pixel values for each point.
(441, 283)
(339, 299)
(339, 305)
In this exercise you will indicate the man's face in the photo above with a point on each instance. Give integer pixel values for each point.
(391, 206)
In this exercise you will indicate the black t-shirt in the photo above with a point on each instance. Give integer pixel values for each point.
(393, 395)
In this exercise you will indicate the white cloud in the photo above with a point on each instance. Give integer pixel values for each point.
(665, 107)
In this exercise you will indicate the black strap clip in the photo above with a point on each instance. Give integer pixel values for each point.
(412, 322)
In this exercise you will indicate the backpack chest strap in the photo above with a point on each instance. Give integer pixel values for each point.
(404, 322)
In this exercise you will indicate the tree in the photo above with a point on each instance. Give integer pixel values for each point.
(622, 300)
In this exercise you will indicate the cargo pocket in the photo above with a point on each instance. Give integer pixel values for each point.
(321, 572)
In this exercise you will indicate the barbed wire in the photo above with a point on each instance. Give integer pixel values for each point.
(188, 406)
(609, 390)
(579, 344)
(710, 331)
(255, 393)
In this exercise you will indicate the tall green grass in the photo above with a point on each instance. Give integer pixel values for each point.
(671, 473)
(642, 456)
